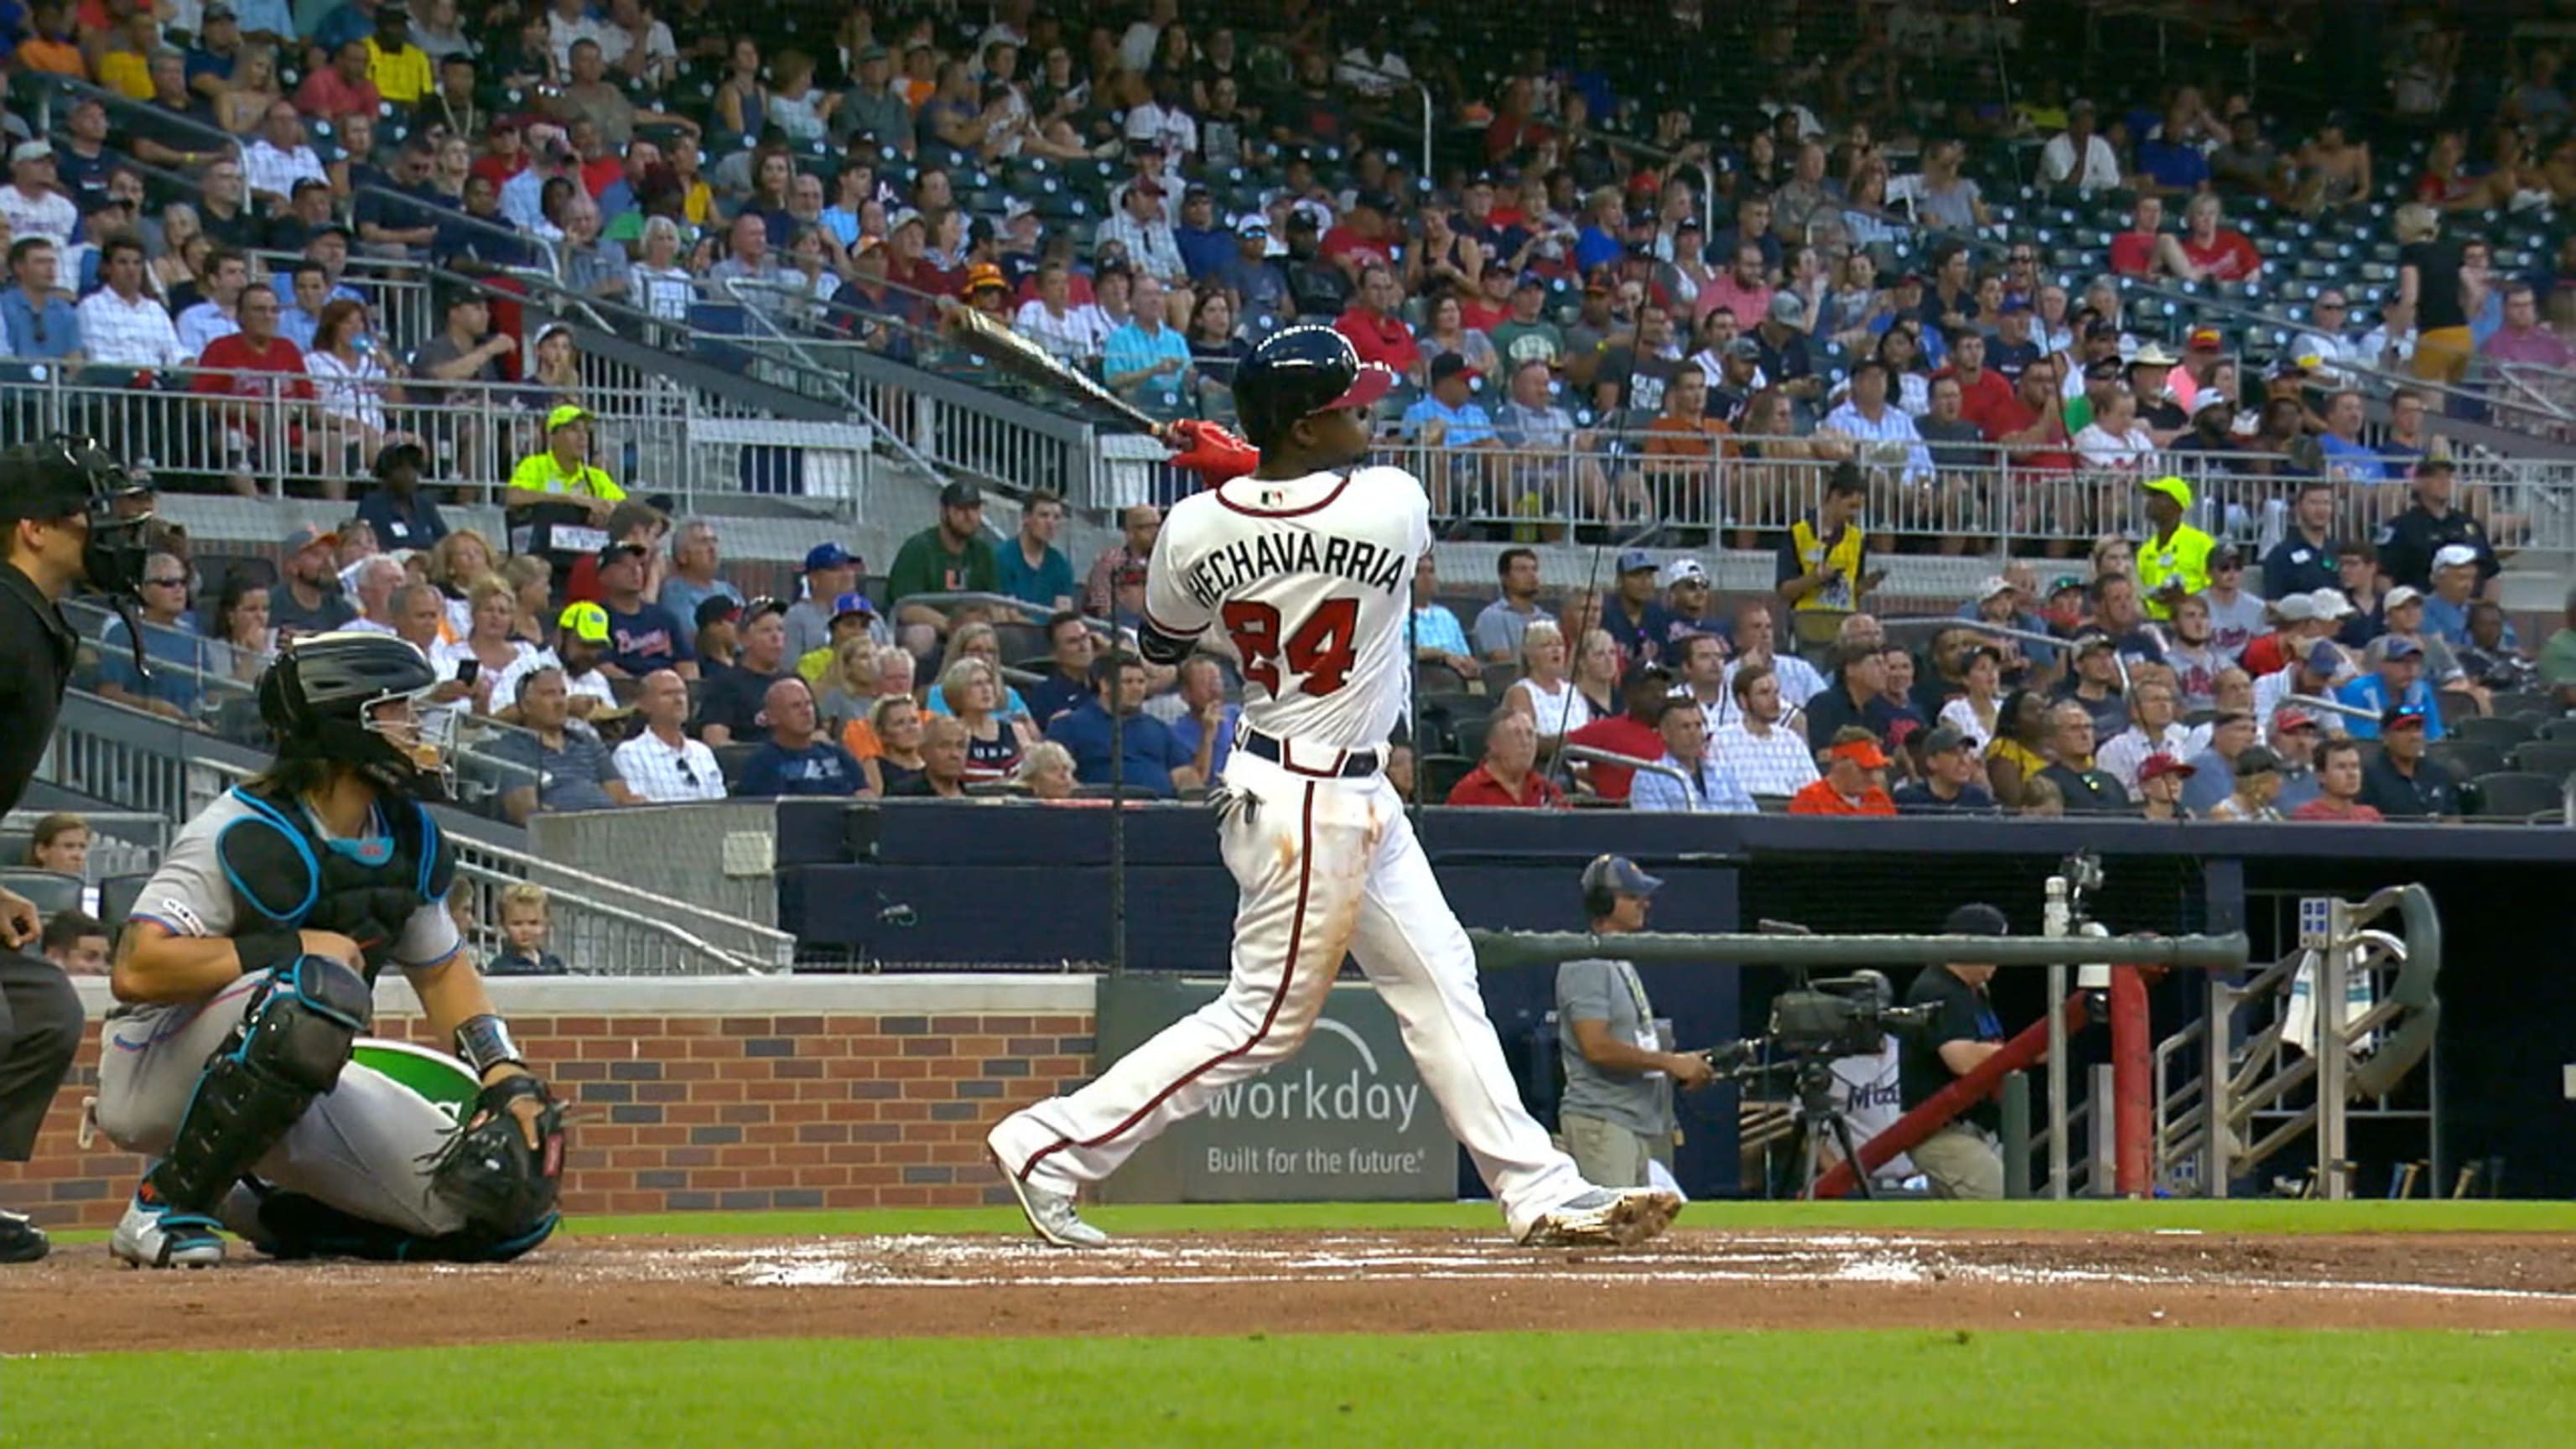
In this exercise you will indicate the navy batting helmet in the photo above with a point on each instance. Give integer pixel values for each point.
(1297, 373)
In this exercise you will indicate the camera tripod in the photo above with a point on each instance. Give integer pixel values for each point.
(1816, 1108)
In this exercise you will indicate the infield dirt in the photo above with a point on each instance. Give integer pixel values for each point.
(872, 1286)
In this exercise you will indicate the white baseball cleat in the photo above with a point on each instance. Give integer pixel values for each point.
(1604, 1217)
(155, 1237)
(1050, 1213)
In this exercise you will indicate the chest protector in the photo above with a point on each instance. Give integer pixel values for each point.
(286, 876)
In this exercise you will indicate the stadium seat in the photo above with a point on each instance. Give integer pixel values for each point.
(1467, 735)
(2555, 758)
(116, 897)
(2469, 758)
(2537, 704)
(2504, 734)
(1441, 773)
(50, 892)
(2516, 795)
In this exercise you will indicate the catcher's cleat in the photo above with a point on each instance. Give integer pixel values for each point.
(1606, 1218)
(153, 1235)
(20, 1240)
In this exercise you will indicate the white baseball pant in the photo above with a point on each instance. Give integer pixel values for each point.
(1328, 867)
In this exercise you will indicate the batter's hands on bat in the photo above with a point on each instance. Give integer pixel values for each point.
(1210, 451)
(19, 922)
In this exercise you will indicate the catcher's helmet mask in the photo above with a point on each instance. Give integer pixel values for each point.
(326, 698)
(1299, 372)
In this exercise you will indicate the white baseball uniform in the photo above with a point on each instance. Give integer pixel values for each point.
(1311, 578)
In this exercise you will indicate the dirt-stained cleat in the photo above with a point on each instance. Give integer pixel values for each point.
(1051, 1214)
(1606, 1218)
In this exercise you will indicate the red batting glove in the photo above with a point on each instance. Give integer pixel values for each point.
(1210, 451)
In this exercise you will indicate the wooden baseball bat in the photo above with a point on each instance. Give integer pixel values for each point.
(992, 339)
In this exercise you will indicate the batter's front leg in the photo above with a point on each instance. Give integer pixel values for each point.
(1301, 873)
(1419, 958)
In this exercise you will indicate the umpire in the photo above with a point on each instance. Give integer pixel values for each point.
(69, 515)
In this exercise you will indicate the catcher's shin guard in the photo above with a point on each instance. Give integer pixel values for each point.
(295, 1037)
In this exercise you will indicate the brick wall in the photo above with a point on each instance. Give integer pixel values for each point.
(718, 1094)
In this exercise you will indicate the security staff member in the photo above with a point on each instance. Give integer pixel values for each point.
(1964, 1159)
(2173, 563)
(68, 514)
(1617, 1112)
(2408, 542)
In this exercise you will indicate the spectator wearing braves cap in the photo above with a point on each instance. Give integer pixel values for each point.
(2096, 684)
(2402, 782)
(1858, 697)
(1963, 1159)
(1954, 778)
(2160, 785)
(2319, 669)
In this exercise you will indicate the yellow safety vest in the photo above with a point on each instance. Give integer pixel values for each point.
(2183, 557)
(1841, 558)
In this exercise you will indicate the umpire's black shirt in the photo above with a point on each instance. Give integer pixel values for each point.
(1964, 1015)
(36, 649)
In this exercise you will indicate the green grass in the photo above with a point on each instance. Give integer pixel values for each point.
(2161, 1389)
(2252, 1216)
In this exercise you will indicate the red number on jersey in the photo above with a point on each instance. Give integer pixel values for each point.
(1319, 653)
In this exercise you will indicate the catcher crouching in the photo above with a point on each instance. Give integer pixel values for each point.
(247, 975)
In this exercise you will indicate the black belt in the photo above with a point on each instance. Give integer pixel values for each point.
(1355, 764)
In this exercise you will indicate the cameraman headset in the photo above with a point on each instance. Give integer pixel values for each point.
(69, 514)
(1964, 1159)
(1616, 1113)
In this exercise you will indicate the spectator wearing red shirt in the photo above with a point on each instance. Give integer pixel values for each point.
(1508, 779)
(1516, 123)
(1359, 240)
(2338, 787)
(2032, 423)
(1375, 331)
(1983, 392)
(505, 152)
(1854, 782)
(341, 88)
(2133, 252)
(254, 364)
(1632, 734)
(2209, 252)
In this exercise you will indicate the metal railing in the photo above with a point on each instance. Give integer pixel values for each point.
(654, 436)
(599, 926)
(2012, 496)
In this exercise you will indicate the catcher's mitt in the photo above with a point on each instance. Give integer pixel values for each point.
(490, 1174)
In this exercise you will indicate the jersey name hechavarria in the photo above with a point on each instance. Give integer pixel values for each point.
(1311, 579)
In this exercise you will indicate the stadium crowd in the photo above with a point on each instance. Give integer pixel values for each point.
(1622, 311)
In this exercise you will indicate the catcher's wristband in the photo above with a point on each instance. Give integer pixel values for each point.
(484, 1042)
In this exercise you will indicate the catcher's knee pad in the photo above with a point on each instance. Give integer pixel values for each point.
(294, 1038)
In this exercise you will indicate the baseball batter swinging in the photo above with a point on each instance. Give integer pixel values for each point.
(248, 970)
(1305, 565)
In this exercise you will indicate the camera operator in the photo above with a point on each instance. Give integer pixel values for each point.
(1617, 1112)
(68, 514)
(1869, 1092)
(1963, 1159)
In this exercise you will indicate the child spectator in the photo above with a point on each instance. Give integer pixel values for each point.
(524, 925)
